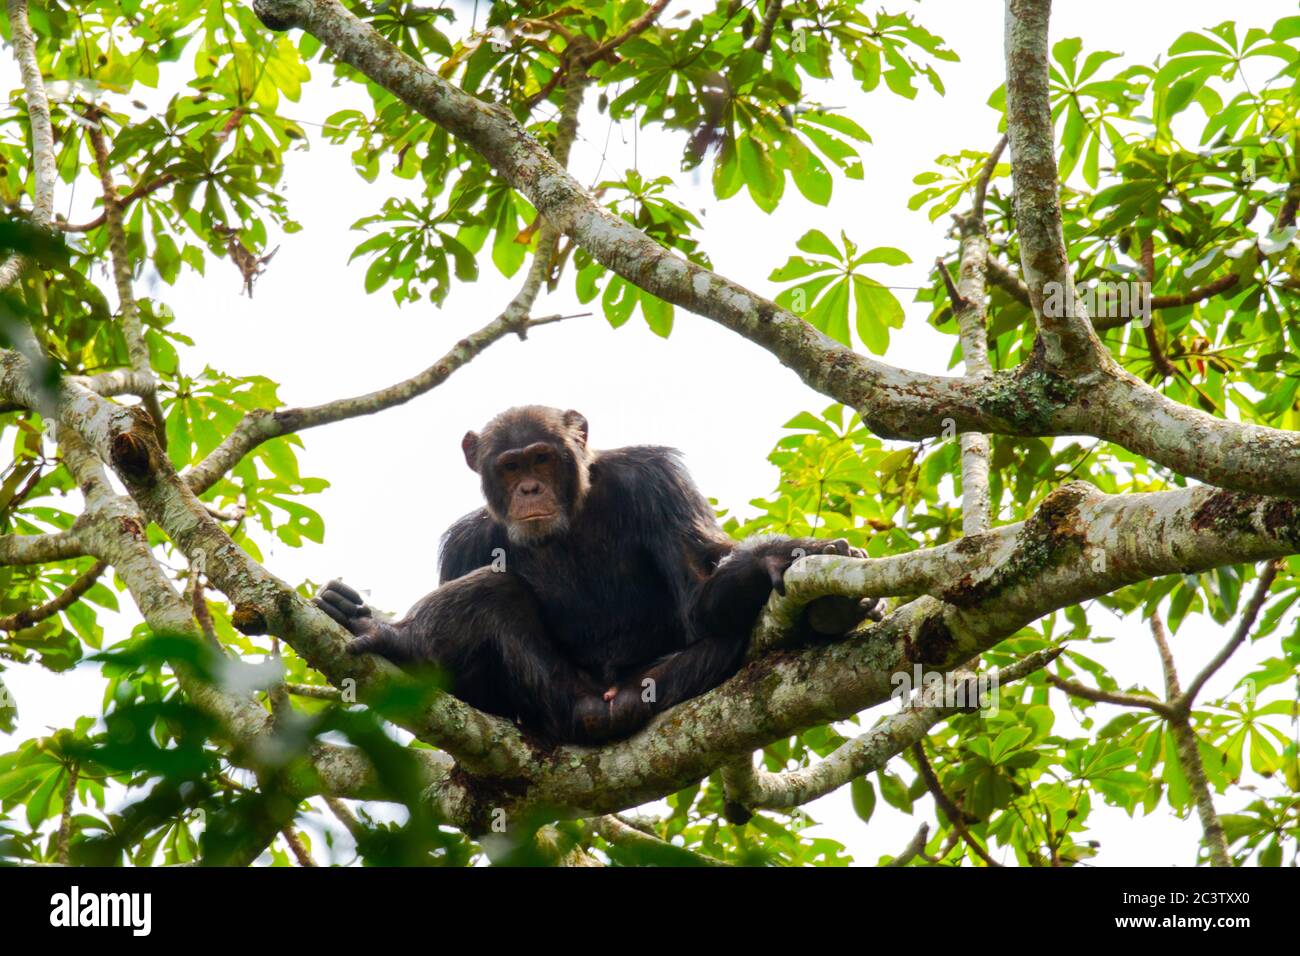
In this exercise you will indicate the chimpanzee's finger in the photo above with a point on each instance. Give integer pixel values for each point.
(350, 593)
(345, 607)
(775, 567)
(335, 614)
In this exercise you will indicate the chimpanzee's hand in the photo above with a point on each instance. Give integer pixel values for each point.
(778, 561)
(346, 607)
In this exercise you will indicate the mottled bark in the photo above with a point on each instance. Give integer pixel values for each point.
(1068, 339)
(758, 789)
(44, 173)
(1060, 394)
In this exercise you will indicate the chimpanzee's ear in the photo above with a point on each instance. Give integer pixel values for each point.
(469, 445)
(578, 422)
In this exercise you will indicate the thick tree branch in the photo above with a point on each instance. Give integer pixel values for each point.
(1037, 399)
(40, 548)
(868, 752)
(115, 531)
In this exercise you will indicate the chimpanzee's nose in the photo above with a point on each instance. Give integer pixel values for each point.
(530, 487)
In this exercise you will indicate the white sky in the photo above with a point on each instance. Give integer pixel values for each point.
(398, 479)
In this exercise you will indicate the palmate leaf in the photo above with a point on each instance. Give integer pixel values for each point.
(837, 291)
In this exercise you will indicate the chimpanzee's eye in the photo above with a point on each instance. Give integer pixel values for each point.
(510, 466)
(542, 457)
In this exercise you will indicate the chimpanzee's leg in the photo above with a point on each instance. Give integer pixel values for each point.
(486, 631)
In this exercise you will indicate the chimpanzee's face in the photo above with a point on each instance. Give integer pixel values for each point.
(533, 465)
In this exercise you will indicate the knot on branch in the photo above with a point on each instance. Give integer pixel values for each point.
(931, 643)
(131, 456)
(276, 14)
(249, 619)
(1050, 537)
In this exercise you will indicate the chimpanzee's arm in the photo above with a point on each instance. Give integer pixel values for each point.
(473, 542)
(485, 631)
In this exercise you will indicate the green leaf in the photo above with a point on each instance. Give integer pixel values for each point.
(863, 795)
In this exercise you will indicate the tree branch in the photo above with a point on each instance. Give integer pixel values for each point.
(1000, 275)
(1244, 627)
(1098, 696)
(65, 817)
(1068, 339)
(40, 548)
(1187, 748)
(44, 172)
(913, 848)
(139, 192)
(639, 25)
(614, 831)
(297, 847)
(1036, 399)
(763, 40)
(263, 425)
(128, 308)
(982, 184)
(60, 602)
(757, 789)
(956, 818)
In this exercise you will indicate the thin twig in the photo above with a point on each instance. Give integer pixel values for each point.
(139, 192)
(299, 849)
(1188, 751)
(60, 602)
(945, 803)
(1096, 695)
(913, 848)
(986, 174)
(65, 820)
(1244, 627)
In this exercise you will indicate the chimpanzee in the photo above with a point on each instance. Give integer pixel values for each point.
(592, 591)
